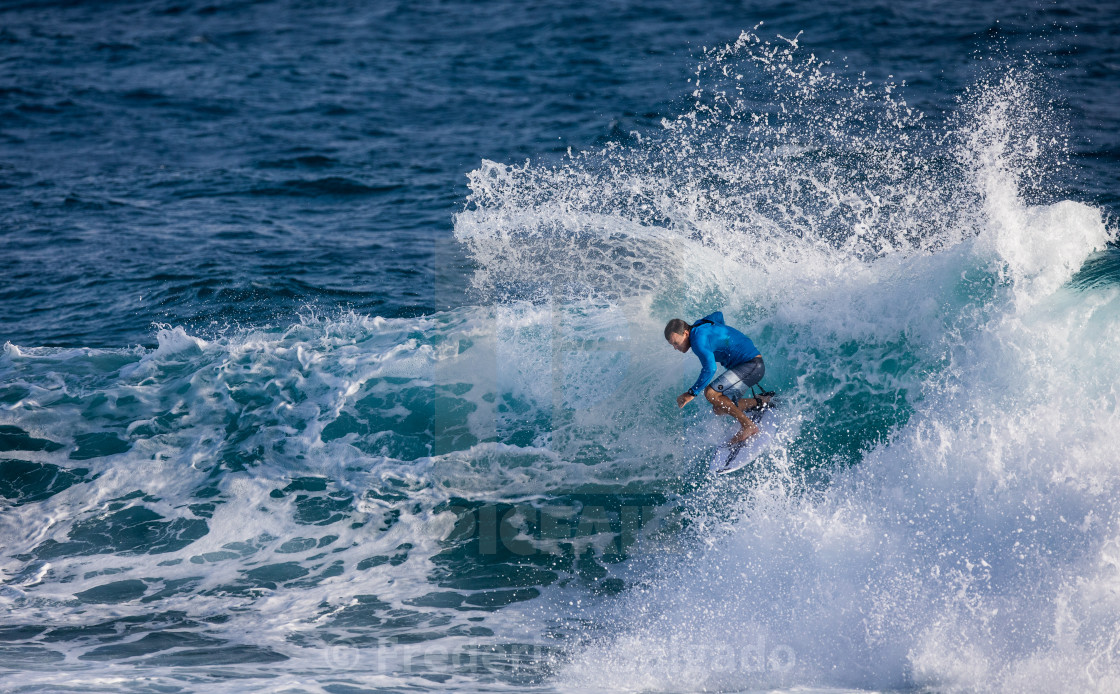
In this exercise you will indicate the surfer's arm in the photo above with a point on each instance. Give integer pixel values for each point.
(707, 367)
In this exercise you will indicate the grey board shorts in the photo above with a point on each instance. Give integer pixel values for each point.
(735, 382)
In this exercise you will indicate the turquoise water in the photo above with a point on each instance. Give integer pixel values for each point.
(402, 458)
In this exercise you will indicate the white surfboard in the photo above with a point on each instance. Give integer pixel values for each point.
(727, 459)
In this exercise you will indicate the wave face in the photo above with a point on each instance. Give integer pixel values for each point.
(503, 495)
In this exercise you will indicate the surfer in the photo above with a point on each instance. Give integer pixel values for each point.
(712, 341)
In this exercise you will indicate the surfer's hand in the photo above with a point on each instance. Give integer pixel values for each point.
(684, 398)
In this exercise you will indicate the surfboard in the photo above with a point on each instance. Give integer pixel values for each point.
(727, 458)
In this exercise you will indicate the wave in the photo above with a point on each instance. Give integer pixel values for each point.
(945, 517)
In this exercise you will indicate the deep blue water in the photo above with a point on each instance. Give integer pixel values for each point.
(332, 359)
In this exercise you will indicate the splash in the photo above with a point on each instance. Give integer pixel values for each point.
(780, 160)
(946, 517)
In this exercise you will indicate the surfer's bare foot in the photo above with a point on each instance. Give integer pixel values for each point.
(742, 436)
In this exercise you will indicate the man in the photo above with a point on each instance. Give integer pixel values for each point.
(712, 341)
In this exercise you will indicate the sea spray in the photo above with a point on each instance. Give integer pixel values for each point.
(961, 545)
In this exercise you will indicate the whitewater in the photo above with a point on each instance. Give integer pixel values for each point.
(503, 495)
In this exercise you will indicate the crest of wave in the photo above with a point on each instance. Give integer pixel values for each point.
(780, 158)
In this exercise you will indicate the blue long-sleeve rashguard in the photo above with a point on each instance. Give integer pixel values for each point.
(715, 342)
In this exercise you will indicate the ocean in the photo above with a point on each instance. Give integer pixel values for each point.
(333, 359)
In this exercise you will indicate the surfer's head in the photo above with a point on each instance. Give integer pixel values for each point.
(676, 332)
